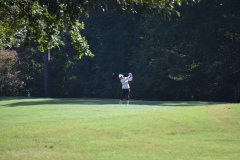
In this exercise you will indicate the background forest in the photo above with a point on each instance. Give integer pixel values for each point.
(192, 57)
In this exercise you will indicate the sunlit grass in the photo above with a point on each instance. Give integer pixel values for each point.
(102, 129)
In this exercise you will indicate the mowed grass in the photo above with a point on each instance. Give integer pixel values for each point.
(101, 129)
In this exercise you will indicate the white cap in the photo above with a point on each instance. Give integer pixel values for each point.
(120, 75)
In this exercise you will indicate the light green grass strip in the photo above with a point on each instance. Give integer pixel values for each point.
(48, 109)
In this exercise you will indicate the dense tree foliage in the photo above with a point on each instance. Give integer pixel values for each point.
(192, 57)
(43, 21)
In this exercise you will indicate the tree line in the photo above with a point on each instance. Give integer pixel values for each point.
(192, 57)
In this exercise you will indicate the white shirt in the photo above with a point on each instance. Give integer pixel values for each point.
(124, 82)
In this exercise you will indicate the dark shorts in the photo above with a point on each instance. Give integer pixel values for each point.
(125, 93)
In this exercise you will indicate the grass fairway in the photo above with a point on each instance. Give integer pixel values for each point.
(101, 129)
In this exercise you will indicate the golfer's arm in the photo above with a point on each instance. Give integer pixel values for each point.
(130, 75)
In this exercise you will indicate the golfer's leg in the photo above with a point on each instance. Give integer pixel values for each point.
(120, 102)
(128, 95)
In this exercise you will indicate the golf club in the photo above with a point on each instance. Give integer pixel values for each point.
(118, 73)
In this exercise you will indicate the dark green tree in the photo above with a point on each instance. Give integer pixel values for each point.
(208, 50)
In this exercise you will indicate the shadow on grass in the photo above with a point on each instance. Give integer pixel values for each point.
(24, 101)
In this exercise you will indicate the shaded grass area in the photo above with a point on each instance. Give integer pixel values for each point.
(23, 101)
(38, 128)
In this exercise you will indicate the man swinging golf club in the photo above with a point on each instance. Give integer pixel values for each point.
(125, 86)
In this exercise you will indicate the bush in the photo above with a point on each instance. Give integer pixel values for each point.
(10, 80)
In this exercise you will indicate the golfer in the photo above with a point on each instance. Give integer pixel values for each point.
(125, 87)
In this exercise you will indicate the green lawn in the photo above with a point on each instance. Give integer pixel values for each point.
(101, 129)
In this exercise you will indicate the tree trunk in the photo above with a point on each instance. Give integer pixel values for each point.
(46, 73)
